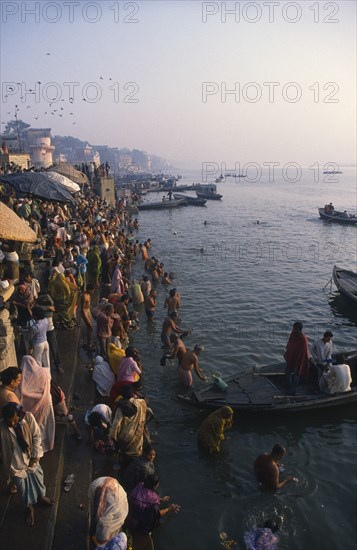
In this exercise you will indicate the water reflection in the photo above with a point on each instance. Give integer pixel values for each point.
(342, 307)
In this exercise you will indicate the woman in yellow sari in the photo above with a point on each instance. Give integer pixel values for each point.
(211, 432)
(64, 295)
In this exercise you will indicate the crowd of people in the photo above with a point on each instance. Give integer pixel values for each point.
(89, 250)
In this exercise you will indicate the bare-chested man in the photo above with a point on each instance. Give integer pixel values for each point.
(150, 304)
(86, 314)
(178, 348)
(172, 302)
(145, 286)
(188, 364)
(266, 469)
(170, 326)
(121, 308)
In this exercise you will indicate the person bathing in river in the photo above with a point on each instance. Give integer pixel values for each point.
(169, 326)
(267, 470)
(178, 348)
(150, 304)
(188, 364)
(166, 279)
(172, 302)
(211, 432)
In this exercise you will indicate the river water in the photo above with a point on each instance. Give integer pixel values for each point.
(241, 295)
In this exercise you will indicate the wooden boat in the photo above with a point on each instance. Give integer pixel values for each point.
(264, 390)
(162, 204)
(338, 217)
(132, 209)
(208, 191)
(346, 282)
(191, 201)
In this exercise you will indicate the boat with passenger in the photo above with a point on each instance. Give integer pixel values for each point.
(264, 390)
(336, 216)
(164, 204)
(207, 191)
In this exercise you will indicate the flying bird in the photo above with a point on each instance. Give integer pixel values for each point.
(36, 117)
(48, 54)
(11, 88)
(28, 107)
(101, 78)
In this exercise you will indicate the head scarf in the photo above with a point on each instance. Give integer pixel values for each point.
(35, 388)
(109, 508)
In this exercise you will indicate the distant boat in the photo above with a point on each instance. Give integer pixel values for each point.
(263, 390)
(338, 217)
(132, 209)
(191, 201)
(332, 172)
(346, 282)
(207, 191)
(162, 204)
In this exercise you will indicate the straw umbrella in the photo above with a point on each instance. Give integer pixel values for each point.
(13, 228)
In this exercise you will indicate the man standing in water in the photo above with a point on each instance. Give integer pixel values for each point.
(189, 363)
(297, 358)
(172, 302)
(169, 326)
(267, 472)
(150, 304)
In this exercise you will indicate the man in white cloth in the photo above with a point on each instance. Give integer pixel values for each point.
(336, 378)
(21, 450)
(322, 353)
(322, 349)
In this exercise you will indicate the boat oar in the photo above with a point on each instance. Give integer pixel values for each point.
(329, 283)
(268, 374)
(295, 397)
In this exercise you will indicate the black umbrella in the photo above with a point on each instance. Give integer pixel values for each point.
(39, 185)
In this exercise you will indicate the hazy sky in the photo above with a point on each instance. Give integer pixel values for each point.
(170, 64)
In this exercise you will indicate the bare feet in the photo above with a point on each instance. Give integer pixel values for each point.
(30, 516)
(46, 501)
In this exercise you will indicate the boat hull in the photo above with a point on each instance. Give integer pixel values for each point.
(346, 282)
(163, 205)
(209, 196)
(191, 201)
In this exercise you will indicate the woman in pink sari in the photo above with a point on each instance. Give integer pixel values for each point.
(35, 396)
(117, 284)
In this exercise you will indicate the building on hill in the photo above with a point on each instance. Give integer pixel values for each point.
(39, 143)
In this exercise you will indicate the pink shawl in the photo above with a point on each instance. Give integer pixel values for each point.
(35, 389)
